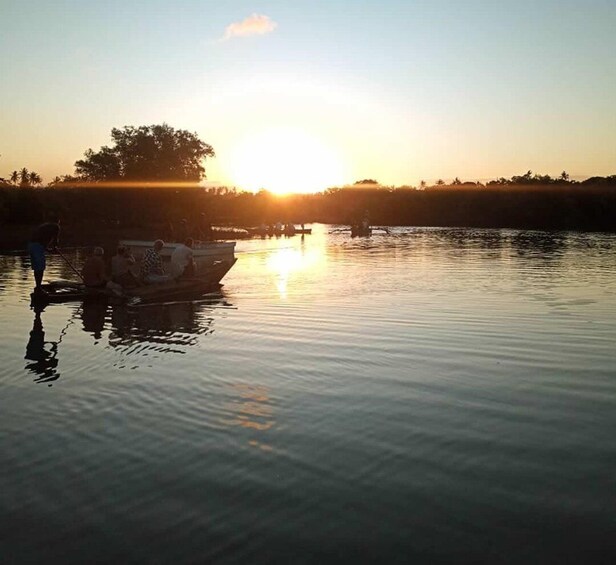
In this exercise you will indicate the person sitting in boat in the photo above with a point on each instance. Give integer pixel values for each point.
(152, 270)
(121, 264)
(182, 262)
(93, 271)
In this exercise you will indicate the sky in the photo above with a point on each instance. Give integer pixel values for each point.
(301, 95)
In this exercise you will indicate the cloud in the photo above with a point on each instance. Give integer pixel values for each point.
(252, 25)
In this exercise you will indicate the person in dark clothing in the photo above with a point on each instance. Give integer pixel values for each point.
(44, 237)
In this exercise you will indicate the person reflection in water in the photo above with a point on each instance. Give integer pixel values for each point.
(93, 317)
(44, 361)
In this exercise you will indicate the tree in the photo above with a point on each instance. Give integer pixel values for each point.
(456, 181)
(34, 178)
(24, 176)
(564, 176)
(63, 180)
(367, 181)
(440, 182)
(14, 177)
(147, 153)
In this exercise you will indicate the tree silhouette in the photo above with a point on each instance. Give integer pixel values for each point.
(14, 177)
(147, 153)
(34, 178)
(24, 176)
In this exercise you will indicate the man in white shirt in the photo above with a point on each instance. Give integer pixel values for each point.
(182, 264)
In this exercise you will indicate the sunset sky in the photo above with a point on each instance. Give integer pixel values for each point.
(317, 93)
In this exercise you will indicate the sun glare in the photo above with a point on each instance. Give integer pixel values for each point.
(285, 161)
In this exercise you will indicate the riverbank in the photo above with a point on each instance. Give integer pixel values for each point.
(14, 237)
(95, 215)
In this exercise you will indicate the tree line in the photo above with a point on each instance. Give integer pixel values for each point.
(111, 187)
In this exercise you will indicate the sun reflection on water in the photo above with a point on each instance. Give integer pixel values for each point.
(290, 265)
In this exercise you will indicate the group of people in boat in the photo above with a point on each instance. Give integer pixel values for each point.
(277, 229)
(151, 271)
(94, 271)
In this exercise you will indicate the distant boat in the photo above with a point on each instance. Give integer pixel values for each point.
(288, 231)
(360, 231)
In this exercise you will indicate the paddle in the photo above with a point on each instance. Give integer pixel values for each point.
(69, 263)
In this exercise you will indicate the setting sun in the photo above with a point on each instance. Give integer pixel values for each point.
(285, 160)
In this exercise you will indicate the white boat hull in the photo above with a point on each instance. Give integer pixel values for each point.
(205, 255)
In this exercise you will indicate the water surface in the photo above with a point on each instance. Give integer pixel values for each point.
(434, 394)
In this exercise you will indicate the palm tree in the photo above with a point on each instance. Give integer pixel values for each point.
(24, 176)
(34, 178)
(14, 177)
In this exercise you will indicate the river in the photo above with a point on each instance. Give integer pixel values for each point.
(424, 395)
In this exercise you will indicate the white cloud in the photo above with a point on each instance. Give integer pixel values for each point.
(252, 25)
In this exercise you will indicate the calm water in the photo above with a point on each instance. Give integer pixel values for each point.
(431, 395)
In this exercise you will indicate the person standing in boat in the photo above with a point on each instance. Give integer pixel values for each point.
(365, 222)
(152, 270)
(46, 236)
(182, 262)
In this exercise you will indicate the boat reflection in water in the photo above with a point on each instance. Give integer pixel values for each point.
(164, 327)
(169, 326)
